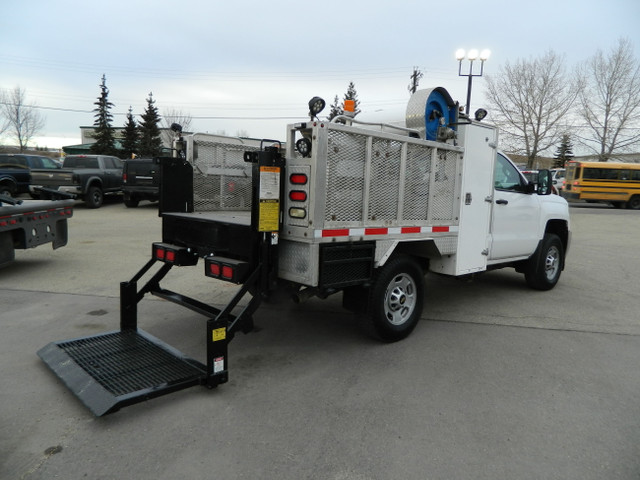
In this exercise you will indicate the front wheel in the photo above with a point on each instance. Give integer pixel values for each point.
(395, 299)
(543, 269)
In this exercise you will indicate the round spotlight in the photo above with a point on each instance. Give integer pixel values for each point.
(480, 114)
(303, 146)
(316, 105)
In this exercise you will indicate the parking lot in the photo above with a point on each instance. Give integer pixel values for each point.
(497, 382)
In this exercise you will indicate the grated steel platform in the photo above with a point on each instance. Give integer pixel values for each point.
(115, 369)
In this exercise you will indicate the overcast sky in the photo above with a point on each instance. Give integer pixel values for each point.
(251, 66)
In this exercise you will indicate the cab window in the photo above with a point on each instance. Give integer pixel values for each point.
(506, 176)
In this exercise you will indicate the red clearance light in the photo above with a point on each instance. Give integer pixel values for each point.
(298, 196)
(298, 179)
(160, 253)
(171, 256)
(214, 269)
(227, 272)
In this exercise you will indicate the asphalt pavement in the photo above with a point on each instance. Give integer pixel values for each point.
(497, 382)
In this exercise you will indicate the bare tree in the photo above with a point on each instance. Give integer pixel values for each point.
(531, 100)
(610, 101)
(24, 120)
(171, 116)
(4, 122)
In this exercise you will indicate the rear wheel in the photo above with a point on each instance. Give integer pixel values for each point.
(634, 203)
(543, 269)
(130, 201)
(395, 299)
(94, 197)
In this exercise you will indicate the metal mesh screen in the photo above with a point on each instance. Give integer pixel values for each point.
(424, 185)
(384, 186)
(416, 187)
(442, 200)
(221, 177)
(345, 176)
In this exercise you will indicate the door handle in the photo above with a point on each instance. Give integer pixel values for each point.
(502, 202)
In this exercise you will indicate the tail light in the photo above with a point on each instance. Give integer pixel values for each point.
(227, 269)
(179, 256)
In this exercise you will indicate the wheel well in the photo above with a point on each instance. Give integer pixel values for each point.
(560, 228)
(9, 183)
(94, 183)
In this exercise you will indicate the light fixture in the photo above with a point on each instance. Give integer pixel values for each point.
(480, 114)
(472, 55)
(303, 146)
(316, 105)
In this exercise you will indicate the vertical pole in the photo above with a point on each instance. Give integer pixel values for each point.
(469, 87)
(217, 354)
(128, 305)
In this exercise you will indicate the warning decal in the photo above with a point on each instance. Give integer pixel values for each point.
(269, 197)
(269, 216)
(219, 334)
(269, 183)
(218, 364)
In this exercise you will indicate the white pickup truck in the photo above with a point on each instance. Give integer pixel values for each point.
(343, 208)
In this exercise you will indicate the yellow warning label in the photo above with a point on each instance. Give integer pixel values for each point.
(219, 334)
(269, 216)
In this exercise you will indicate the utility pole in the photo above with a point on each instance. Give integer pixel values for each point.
(415, 78)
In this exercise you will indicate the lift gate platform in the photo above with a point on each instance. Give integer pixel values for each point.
(116, 369)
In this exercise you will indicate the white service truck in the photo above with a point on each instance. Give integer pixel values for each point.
(344, 206)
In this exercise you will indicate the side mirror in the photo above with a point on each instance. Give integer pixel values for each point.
(545, 182)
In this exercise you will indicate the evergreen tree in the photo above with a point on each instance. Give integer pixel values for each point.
(103, 132)
(336, 109)
(130, 137)
(353, 95)
(564, 152)
(150, 142)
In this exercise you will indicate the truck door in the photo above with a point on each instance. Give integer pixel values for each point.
(113, 173)
(515, 214)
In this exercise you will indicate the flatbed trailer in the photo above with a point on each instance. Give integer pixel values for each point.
(30, 223)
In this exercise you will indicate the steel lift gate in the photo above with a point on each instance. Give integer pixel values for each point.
(112, 370)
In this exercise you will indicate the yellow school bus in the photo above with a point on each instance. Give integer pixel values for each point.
(609, 182)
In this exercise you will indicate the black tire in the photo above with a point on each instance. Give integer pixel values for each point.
(634, 203)
(94, 197)
(6, 190)
(131, 201)
(395, 300)
(543, 269)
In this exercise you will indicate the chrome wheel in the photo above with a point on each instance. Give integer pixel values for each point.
(400, 299)
(552, 263)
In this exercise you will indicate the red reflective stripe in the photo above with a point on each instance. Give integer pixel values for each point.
(440, 229)
(376, 231)
(343, 232)
(410, 230)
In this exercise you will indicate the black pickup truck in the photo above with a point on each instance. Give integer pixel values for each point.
(89, 177)
(15, 172)
(140, 181)
(14, 179)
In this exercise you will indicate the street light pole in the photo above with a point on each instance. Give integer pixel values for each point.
(471, 55)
